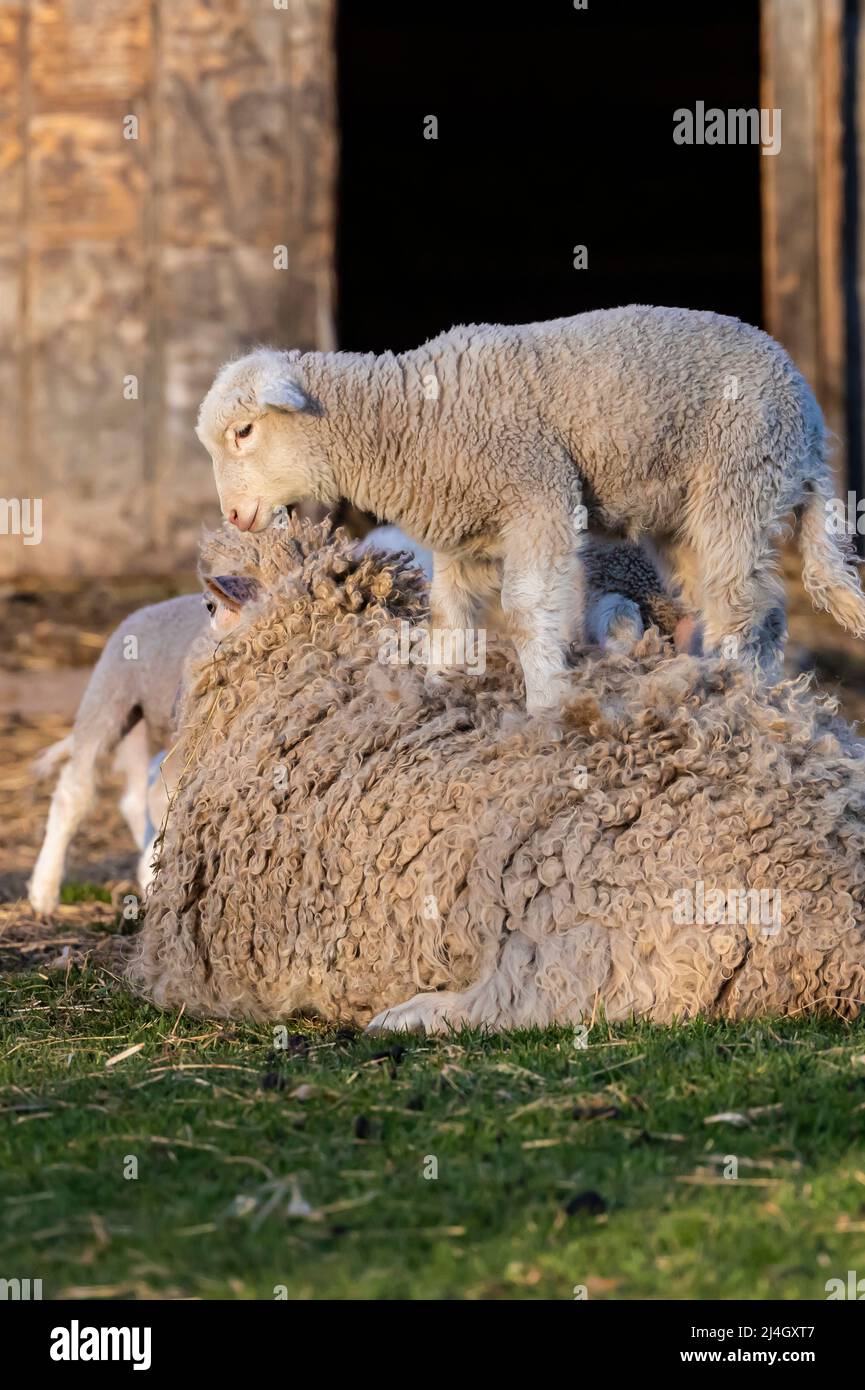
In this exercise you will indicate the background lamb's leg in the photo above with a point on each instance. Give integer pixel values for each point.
(543, 603)
(453, 603)
(104, 717)
(69, 804)
(132, 759)
(678, 565)
(162, 779)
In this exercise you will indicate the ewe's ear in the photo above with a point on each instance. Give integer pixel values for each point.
(286, 395)
(234, 590)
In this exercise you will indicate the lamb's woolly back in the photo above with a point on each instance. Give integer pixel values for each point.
(344, 837)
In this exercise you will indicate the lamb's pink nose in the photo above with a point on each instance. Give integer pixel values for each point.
(244, 521)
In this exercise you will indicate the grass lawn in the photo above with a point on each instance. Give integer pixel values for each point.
(308, 1166)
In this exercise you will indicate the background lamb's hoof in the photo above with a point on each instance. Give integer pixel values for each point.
(43, 902)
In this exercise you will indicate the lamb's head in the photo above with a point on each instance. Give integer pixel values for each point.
(262, 429)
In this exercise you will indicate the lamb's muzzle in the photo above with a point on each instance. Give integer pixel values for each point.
(244, 521)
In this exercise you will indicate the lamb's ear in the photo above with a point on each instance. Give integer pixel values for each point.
(287, 395)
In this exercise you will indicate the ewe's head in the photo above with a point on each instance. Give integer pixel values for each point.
(224, 598)
(258, 423)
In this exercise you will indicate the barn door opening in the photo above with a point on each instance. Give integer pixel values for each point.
(482, 144)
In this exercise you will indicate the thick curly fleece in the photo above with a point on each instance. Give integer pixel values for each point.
(344, 840)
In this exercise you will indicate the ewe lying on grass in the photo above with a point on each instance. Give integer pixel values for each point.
(493, 444)
(345, 842)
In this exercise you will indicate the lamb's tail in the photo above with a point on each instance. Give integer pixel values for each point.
(829, 566)
(46, 761)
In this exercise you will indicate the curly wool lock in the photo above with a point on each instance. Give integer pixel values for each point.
(348, 843)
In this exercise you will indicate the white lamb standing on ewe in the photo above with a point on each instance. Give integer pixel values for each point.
(494, 445)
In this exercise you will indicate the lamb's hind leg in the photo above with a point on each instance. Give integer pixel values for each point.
(99, 726)
(743, 602)
(132, 760)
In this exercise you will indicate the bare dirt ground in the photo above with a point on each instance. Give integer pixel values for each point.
(53, 634)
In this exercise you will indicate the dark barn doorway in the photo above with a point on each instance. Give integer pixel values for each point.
(554, 131)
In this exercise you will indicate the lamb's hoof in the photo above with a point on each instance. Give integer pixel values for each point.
(425, 1013)
(545, 702)
(43, 902)
(546, 713)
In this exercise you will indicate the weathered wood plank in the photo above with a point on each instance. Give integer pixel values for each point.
(16, 475)
(311, 150)
(87, 54)
(854, 223)
(13, 105)
(87, 303)
(152, 258)
(246, 159)
(789, 82)
(803, 196)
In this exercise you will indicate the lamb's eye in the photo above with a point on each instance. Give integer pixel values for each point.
(245, 432)
(210, 606)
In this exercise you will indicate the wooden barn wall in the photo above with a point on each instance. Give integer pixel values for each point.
(804, 185)
(151, 257)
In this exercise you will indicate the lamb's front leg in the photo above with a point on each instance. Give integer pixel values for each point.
(542, 602)
(454, 604)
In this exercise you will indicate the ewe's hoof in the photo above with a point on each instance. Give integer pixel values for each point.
(426, 1013)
